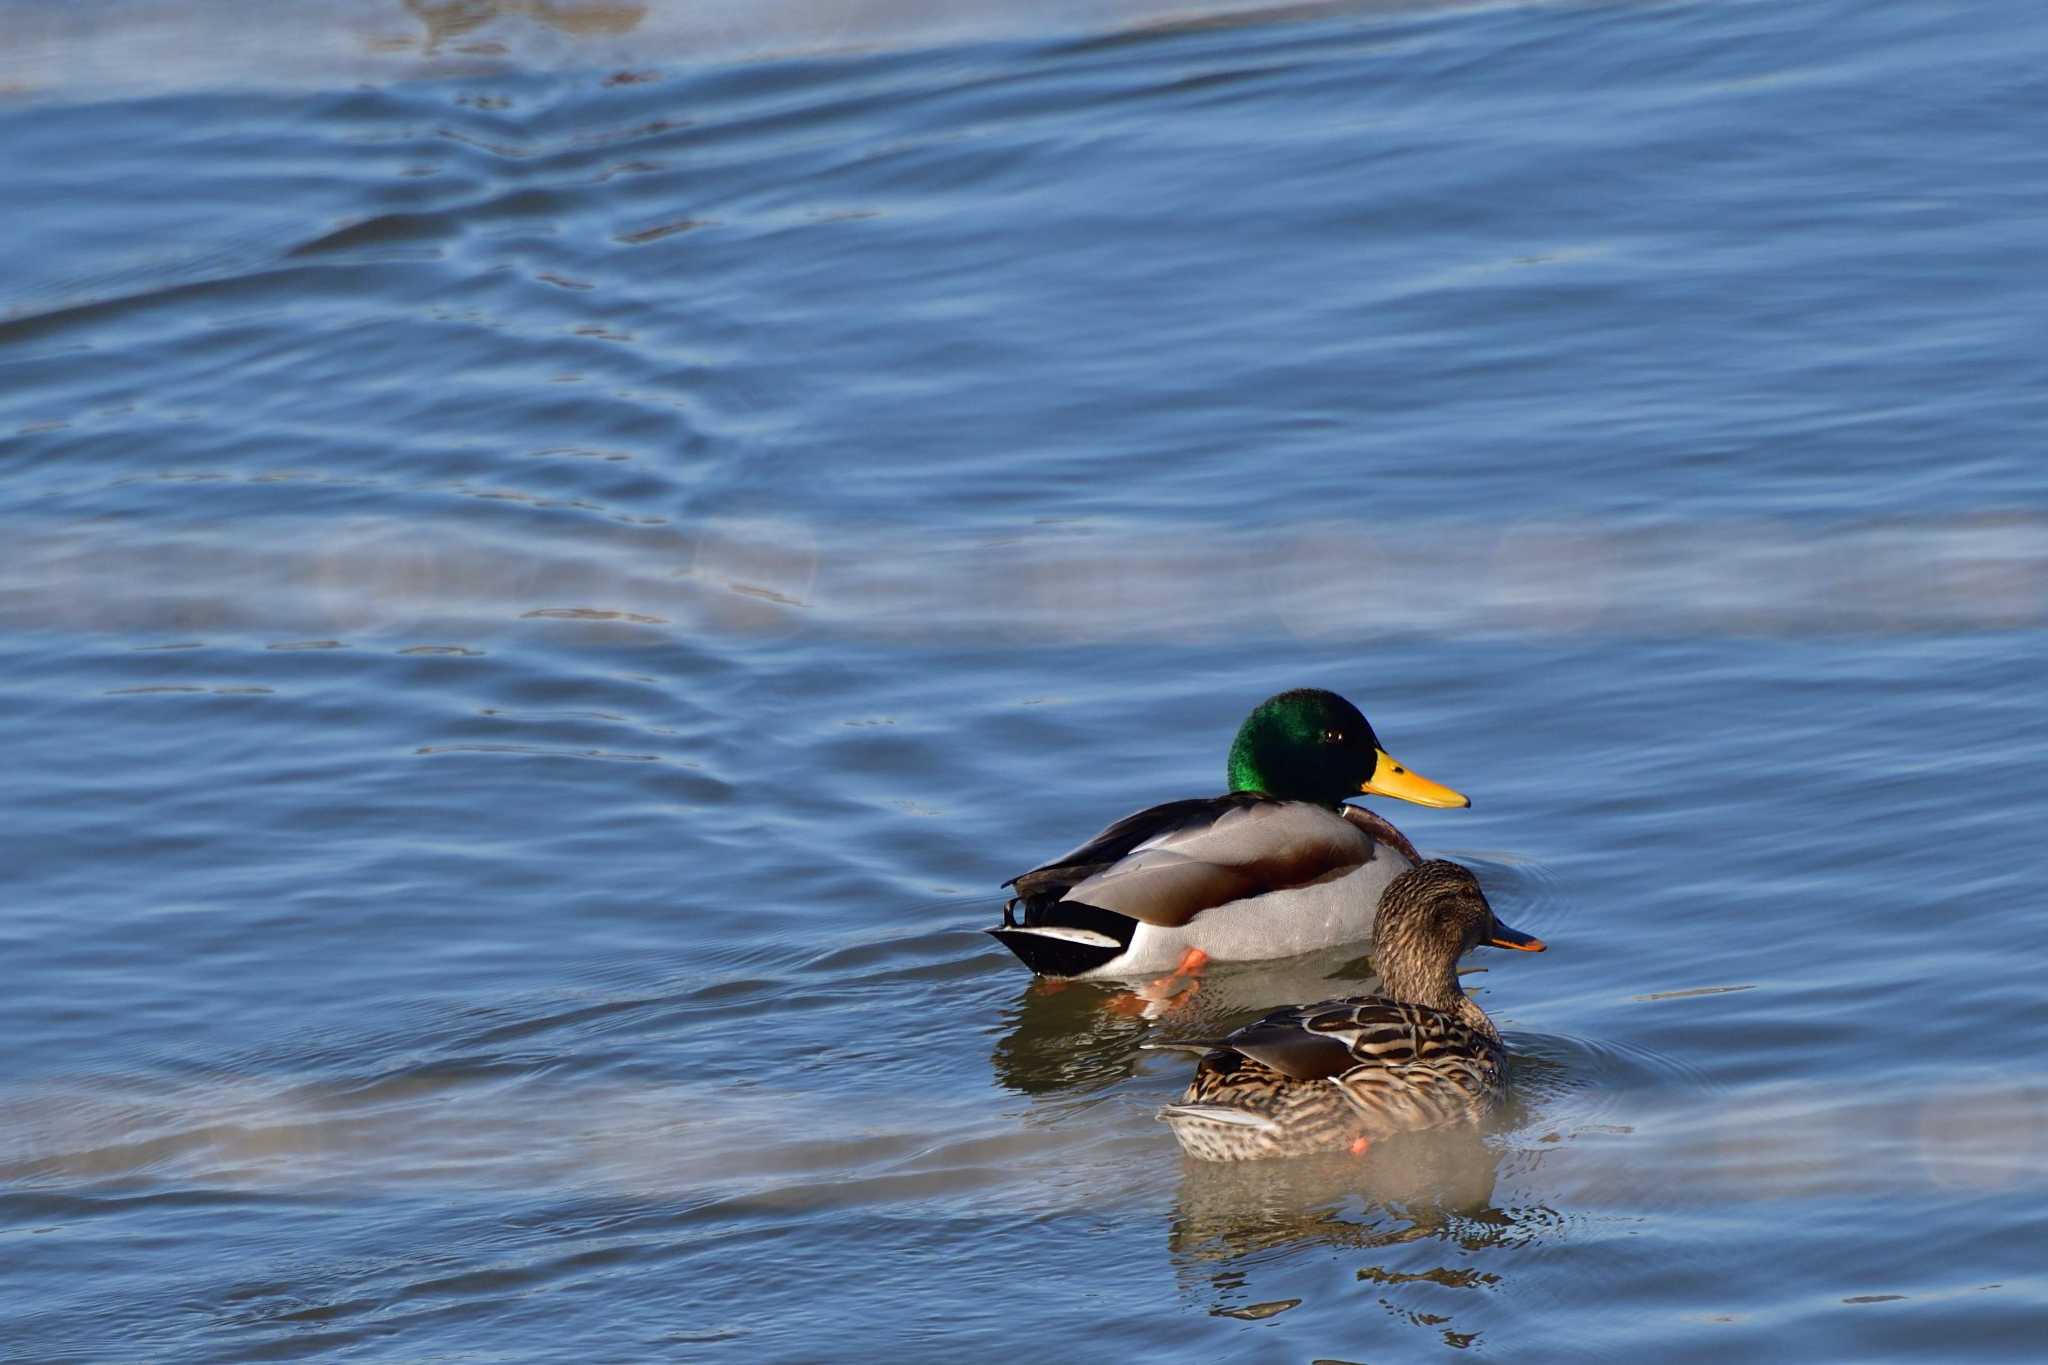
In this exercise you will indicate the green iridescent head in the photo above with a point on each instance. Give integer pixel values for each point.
(1312, 745)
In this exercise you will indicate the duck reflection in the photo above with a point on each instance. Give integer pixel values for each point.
(450, 19)
(1412, 1191)
(1077, 1035)
(1411, 1187)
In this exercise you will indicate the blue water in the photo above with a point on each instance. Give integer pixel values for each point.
(555, 556)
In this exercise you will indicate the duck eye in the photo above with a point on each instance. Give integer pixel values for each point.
(1333, 736)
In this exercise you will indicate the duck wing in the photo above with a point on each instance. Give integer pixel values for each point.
(1334, 1038)
(1165, 820)
(1165, 865)
(1414, 1066)
(1303, 1078)
(1453, 1089)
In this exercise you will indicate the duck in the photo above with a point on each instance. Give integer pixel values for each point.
(1340, 1075)
(1280, 864)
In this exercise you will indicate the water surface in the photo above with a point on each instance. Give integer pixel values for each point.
(555, 557)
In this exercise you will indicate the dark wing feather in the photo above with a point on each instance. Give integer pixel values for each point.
(1297, 1053)
(1316, 1042)
(1114, 843)
(1308, 1042)
(1166, 865)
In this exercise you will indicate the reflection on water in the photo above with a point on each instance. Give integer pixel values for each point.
(86, 51)
(1407, 1187)
(1064, 1035)
(1409, 1193)
(453, 18)
(754, 574)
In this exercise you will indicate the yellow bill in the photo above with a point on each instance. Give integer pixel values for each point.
(1389, 778)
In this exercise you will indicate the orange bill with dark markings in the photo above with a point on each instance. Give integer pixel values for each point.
(1504, 937)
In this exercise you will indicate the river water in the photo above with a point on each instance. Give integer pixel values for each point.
(555, 556)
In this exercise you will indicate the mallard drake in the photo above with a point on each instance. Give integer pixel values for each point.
(1278, 865)
(1343, 1073)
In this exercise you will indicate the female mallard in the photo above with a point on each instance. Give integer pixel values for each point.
(1279, 865)
(1338, 1075)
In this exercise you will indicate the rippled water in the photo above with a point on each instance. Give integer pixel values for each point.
(556, 555)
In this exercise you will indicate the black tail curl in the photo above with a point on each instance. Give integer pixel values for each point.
(1058, 956)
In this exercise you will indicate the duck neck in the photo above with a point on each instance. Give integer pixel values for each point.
(1406, 977)
(1247, 773)
(1266, 758)
(1412, 980)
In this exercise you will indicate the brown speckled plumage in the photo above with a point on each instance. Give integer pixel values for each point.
(1317, 1078)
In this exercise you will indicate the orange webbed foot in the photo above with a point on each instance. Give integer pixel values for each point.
(1188, 970)
(1164, 993)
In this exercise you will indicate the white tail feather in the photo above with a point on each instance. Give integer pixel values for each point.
(1087, 936)
(1218, 1113)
